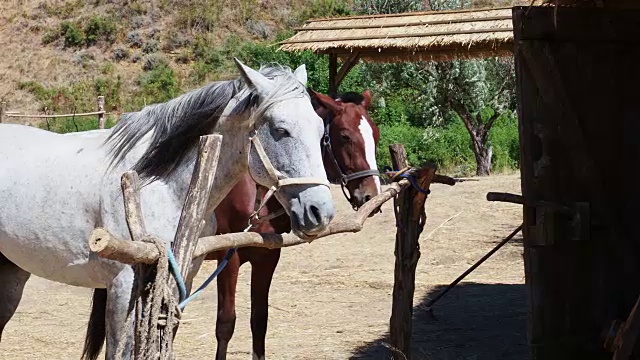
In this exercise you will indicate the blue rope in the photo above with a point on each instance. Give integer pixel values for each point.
(206, 283)
(413, 182)
(182, 288)
(175, 270)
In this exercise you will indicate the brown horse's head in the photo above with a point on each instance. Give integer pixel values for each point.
(349, 144)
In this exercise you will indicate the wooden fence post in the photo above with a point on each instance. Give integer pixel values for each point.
(101, 116)
(410, 218)
(3, 109)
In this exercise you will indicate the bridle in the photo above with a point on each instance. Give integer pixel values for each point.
(342, 177)
(278, 180)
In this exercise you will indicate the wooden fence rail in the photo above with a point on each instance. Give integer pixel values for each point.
(4, 113)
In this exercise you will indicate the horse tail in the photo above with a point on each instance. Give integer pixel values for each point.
(97, 327)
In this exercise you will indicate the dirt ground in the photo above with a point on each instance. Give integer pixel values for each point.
(332, 299)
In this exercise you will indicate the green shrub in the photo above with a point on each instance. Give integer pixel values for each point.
(506, 144)
(75, 124)
(158, 85)
(72, 34)
(99, 28)
(79, 97)
(450, 147)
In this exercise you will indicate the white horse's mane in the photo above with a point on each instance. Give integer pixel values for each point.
(178, 123)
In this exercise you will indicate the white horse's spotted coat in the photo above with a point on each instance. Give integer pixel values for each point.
(369, 148)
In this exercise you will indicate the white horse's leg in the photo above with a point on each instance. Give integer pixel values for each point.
(12, 281)
(118, 298)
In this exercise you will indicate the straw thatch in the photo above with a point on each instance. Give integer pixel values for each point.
(434, 35)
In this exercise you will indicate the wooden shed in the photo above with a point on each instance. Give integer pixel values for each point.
(577, 83)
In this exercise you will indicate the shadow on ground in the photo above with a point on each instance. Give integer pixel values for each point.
(474, 322)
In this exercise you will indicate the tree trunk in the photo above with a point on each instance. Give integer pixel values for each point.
(479, 133)
(483, 159)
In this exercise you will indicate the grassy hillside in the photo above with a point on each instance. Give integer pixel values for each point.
(58, 54)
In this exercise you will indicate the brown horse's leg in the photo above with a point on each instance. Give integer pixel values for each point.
(12, 281)
(263, 265)
(226, 321)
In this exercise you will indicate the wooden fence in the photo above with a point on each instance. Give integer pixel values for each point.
(5, 114)
(409, 189)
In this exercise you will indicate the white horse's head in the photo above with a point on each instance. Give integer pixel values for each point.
(289, 130)
(268, 125)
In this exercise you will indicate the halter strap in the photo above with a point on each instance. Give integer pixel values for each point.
(344, 178)
(278, 180)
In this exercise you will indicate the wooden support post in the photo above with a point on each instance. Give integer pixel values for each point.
(191, 221)
(3, 109)
(154, 313)
(101, 115)
(410, 217)
(333, 75)
(336, 75)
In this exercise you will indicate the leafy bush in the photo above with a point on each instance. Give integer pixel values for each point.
(75, 124)
(450, 147)
(72, 34)
(158, 85)
(99, 28)
(79, 97)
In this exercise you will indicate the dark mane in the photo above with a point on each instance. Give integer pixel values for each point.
(351, 97)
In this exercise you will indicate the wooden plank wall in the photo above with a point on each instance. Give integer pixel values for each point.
(578, 82)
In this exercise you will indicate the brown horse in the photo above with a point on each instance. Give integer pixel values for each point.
(349, 147)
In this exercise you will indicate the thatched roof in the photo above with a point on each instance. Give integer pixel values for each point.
(433, 35)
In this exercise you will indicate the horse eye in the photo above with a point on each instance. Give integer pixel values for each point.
(345, 138)
(283, 132)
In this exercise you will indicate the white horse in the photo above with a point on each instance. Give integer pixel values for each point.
(54, 189)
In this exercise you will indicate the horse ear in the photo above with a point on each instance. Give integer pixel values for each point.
(328, 102)
(254, 79)
(301, 74)
(367, 99)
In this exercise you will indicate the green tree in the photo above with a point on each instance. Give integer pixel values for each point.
(478, 92)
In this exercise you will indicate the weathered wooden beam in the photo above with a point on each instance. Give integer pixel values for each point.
(347, 65)
(410, 217)
(333, 74)
(39, 116)
(3, 110)
(101, 111)
(130, 185)
(191, 221)
(108, 246)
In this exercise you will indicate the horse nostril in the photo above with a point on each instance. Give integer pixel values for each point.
(316, 214)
